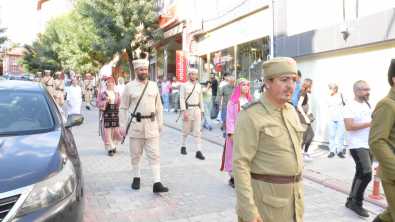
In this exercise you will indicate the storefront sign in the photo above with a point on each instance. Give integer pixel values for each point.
(168, 17)
(249, 28)
(181, 65)
(172, 32)
(217, 62)
(221, 60)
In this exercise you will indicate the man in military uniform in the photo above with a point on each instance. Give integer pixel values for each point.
(382, 145)
(88, 90)
(80, 83)
(267, 162)
(38, 78)
(191, 102)
(59, 89)
(146, 124)
(48, 81)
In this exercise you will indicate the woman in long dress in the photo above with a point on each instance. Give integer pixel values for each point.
(121, 85)
(108, 101)
(240, 96)
(74, 99)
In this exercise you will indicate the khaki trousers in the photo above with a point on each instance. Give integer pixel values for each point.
(88, 97)
(60, 100)
(50, 90)
(194, 126)
(389, 214)
(151, 147)
(278, 202)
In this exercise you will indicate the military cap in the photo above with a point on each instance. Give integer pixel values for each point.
(279, 66)
(47, 71)
(140, 63)
(58, 73)
(88, 74)
(39, 73)
(78, 75)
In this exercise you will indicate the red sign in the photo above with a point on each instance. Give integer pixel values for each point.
(218, 65)
(168, 17)
(181, 65)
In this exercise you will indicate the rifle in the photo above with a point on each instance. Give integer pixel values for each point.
(134, 112)
(186, 103)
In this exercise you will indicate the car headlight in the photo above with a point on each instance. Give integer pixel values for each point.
(50, 191)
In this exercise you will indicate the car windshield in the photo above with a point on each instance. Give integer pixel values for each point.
(24, 113)
(67, 82)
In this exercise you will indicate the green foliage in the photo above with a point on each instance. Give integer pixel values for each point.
(15, 44)
(124, 26)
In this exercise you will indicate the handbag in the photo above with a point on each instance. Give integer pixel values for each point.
(311, 117)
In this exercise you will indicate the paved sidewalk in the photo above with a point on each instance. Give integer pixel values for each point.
(198, 190)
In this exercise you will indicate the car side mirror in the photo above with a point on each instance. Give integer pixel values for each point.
(74, 120)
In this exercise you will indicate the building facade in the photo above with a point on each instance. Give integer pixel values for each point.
(10, 65)
(51, 8)
(337, 42)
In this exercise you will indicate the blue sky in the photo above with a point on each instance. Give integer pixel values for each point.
(21, 18)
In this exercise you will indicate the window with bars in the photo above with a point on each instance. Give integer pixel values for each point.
(70, 3)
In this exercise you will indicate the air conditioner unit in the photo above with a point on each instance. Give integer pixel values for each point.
(194, 24)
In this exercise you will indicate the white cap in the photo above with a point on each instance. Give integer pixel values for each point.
(77, 75)
(140, 63)
(88, 74)
(39, 73)
(47, 71)
(191, 70)
(58, 73)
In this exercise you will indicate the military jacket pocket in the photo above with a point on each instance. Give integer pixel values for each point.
(273, 137)
(136, 126)
(275, 131)
(274, 208)
(299, 132)
(275, 202)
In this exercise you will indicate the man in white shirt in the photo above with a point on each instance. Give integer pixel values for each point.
(175, 86)
(357, 119)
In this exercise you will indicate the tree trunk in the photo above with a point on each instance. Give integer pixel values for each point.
(131, 67)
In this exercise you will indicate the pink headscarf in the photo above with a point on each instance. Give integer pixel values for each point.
(104, 88)
(236, 94)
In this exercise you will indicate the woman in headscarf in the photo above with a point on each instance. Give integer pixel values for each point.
(121, 85)
(74, 99)
(240, 96)
(108, 101)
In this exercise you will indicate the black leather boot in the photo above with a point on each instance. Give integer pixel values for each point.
(88, 108)
(159, 188)
(199, 155)
(184, 150)
(136, 183)
(377, 219)
(358, 209)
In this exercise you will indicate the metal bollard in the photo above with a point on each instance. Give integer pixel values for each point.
(376, 187)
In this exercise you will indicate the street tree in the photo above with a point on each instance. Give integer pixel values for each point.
(125, 26)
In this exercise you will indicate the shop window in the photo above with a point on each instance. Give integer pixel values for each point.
(160, 63)
(250, 56)
(221, 62)
(172, 47)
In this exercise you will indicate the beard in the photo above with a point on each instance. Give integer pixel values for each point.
(141, 77)
(363, 98)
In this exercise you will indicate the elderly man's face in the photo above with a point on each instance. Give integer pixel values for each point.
(282, 88)
(232, 83)
(142, 73)
(364, 92)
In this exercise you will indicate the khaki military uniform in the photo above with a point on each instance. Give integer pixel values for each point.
(37, 79)
(382, 145)
(80, 83)
(88, 91)
(194, 121)
(48, 83)
(59, 92)
(267, 141)
(143, 135)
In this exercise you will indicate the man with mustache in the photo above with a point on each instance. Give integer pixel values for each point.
(146, 123)
(382, 144)
(357, 119)
(267, 162)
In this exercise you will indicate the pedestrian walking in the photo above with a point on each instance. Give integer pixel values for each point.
(121, 86)
(267, 162)
(239, 97)
(214, 87)
(224, 96)
(74, 99)
(48, 82)
(166, 86)
(38, 78)
(208, 104)
(357, 119)
(336, 103)
(141, 98)
(306, 116)
(175, 87)
(59, 89)
(382, 145)
(108, 101)
(80, 83)
(88, 90)
(298, 85)
(191, 101)
(224, 82)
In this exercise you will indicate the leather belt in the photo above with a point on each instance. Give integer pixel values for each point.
(89, 89)
(277, 179)
(49, 85)
(193, 105)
